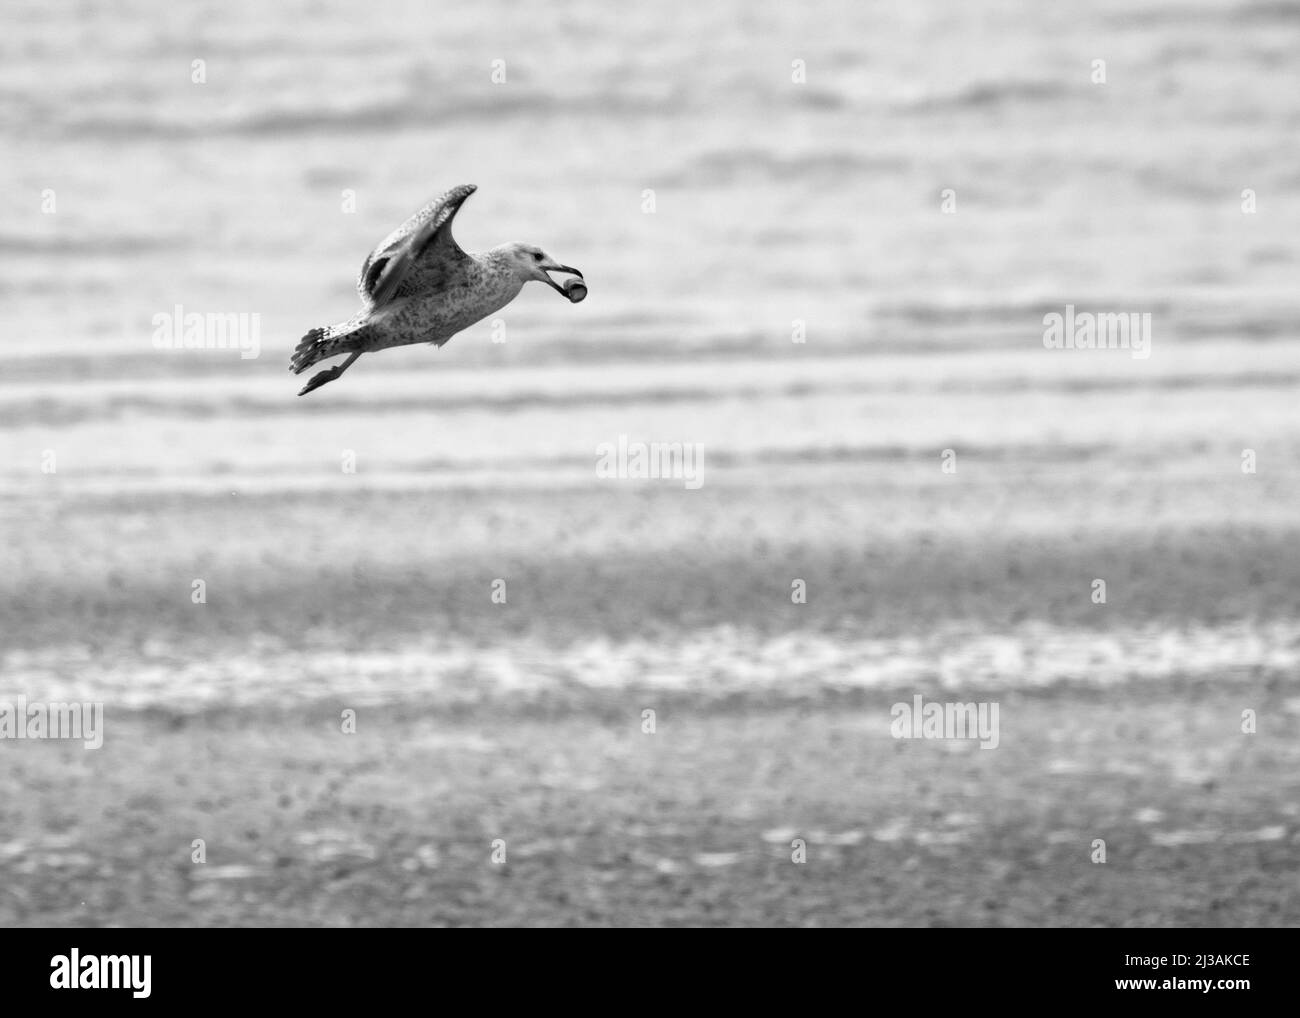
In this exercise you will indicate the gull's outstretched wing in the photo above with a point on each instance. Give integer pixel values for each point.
(419, 255)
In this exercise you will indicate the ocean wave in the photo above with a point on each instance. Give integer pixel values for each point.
(729, 165)
(84, 244)
(722, 665)
(85, 406)
(377, 115)
(987, 94)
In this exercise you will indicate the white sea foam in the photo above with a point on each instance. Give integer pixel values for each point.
(722, 662)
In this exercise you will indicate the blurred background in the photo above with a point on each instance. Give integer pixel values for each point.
(730, 177)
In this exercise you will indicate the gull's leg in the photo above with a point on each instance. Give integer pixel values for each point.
(328, 376)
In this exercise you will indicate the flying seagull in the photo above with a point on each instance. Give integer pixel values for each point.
(418, 286)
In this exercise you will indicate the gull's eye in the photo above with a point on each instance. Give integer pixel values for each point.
(537, 256)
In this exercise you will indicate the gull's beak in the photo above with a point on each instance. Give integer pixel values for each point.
(557, 267)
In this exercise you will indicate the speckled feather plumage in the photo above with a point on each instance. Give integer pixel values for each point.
(417, 286)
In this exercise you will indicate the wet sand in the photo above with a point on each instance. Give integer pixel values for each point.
(691, 825)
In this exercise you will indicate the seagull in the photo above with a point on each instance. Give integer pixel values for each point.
(418, 286)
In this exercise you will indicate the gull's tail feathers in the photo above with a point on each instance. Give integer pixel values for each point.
(329, 341)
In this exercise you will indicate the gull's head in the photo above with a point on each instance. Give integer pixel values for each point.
(530, 262)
